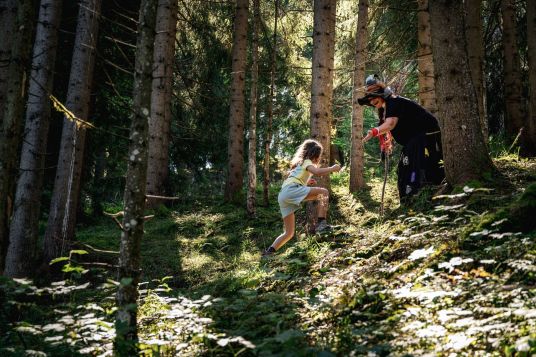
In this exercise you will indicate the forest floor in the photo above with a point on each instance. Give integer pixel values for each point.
(448, 275)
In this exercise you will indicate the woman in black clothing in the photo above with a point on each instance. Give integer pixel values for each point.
(413, 127)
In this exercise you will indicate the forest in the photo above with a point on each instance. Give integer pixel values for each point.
(268, 178)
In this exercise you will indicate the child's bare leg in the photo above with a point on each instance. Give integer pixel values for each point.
(289, 223)
(322, 196)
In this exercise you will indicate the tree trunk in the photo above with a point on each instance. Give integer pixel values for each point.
(475, 51)
(10, 127)
(64, 203)
(513, 84)
(252, 152)
(136, 182)
(357, 154)
(24, 226)
(465, 154)
(160, 124)
(425, 64)
(236, 111)
(270, 112)
(8, 16)
(322, 87)
(528, 144)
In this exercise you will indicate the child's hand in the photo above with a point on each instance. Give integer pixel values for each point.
(311, 182)
(335, 168)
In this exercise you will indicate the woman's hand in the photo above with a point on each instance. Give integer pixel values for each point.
(335, 168)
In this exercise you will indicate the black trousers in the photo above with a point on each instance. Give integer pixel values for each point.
(419, 164)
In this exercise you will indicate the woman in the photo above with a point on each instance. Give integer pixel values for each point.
(413, 127)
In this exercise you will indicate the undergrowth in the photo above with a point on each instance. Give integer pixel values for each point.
(450, 273)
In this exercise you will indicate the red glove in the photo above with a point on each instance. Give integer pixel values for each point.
(386, 142)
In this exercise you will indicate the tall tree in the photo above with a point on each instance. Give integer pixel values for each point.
(65, 196)
(159, 126)
(235, 150)
(24, 225)
(270, 111)
(357, 155)
(11, 125)
(513, 84)
(8, 15)
(425, 64)
(528, 147)
(322, 86)
(252, 152)
(464, 151)
(136, 182)
(475, 50)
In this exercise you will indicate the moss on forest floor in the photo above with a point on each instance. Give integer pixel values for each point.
(452, 273)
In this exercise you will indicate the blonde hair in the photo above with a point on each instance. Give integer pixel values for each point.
(309, 150)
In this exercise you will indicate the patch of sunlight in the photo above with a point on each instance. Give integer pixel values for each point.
(431, 331)
(493, 328)
(458, 341)
(422, 295)
(421, 253)
(196, 260)
(449, 314)
(413, 326)
(526, 313)
(454, 262)
(523, 344)
(397, 238)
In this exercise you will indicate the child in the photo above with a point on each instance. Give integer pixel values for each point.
(295, 190)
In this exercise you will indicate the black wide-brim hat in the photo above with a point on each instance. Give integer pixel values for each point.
(374, 89)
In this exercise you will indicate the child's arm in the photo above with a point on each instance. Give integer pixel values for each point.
(323, 171)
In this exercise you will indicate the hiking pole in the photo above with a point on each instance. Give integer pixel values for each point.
(385, 171)
(385, 147)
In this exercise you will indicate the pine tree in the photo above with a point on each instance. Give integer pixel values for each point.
(235, 150)
(66, 193)
(24, 225)
(465, 154)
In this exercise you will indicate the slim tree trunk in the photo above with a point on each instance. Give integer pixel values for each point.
(529, 138)
(357, 156)
(235, 150)
(465, 155)
(475, 51)
(10, 127)
(513, 84)
(252, 152)
(322, 87)
(270, 111)
(8, 16)
(65, 196)
(24, 226)
(136, 182)
(160, 124)
(425, 64)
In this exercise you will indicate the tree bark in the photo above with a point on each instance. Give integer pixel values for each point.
(8, 17)
(24, 225)
(270, 111)
(513, 84)
(160, 124)
(528, 144)
(136, 182)
(235, 150)
(65, 196)
(357, 156)
(425, 64)
(11, 125)
(252, 152)
(322, 87)
(465, 155)
(475, 51)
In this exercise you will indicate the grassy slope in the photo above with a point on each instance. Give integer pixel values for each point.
(448, 275)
